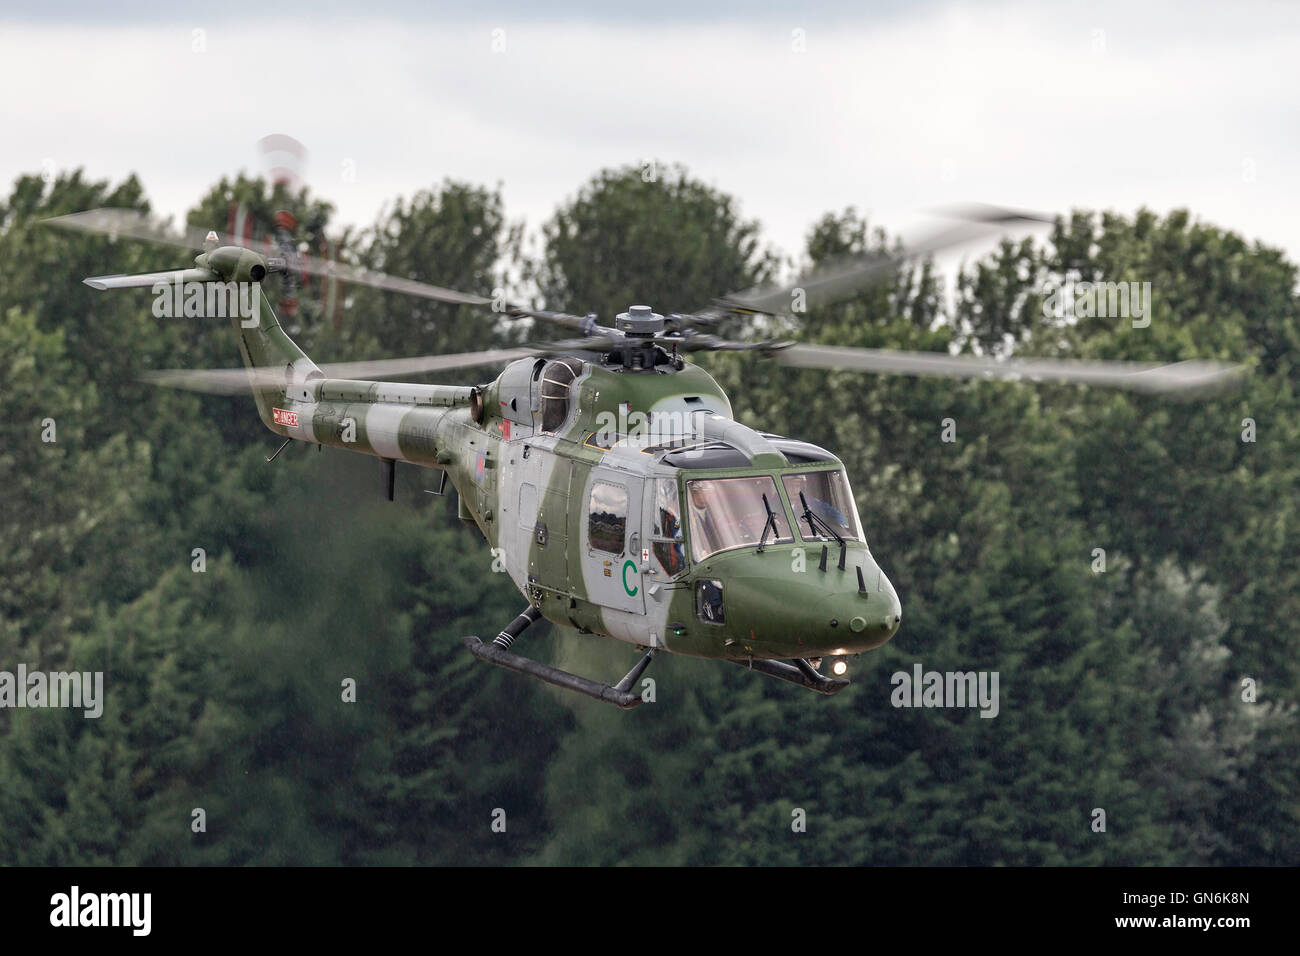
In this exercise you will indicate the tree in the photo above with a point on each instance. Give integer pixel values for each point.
(659, 238)
(455, 236)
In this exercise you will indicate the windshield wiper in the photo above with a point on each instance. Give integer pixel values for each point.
(810, 518)
(769, 523)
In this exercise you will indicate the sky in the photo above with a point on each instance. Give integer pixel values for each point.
(797, 109)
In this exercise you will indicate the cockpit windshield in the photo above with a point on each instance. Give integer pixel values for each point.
(827, 496)
(731, 513)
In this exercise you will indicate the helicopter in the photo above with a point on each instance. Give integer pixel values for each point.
(606, 472)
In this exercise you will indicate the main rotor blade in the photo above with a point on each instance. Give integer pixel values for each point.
(236, 381)
(214, 381)
(133, 224)
(422, 364)
(1136, 376)
(707, 342)
(585, 325)
(847, 277)
(983, 212)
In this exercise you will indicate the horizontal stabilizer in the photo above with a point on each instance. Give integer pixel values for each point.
(149, 279)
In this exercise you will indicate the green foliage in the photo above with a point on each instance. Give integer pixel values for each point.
(1120, 689)
(456, 236)
(649, 235)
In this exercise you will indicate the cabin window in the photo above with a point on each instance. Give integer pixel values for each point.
(607, 517)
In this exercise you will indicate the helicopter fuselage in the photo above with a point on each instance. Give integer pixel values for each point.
(628, 502)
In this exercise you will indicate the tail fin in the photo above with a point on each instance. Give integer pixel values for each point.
(228, 282)
(263, 344)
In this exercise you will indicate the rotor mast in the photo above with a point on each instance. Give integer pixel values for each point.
(638, 349)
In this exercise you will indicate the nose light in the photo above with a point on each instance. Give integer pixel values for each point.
(858, 624)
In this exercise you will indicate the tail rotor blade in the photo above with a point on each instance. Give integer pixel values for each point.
(128, 224)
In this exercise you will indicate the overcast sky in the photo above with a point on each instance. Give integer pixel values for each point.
(796, 108)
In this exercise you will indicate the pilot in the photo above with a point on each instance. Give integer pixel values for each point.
(703, 529)
(698, 500)
(672, 555)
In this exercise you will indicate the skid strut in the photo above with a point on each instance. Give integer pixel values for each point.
(800, 672)
(498, 653)
(516, 627)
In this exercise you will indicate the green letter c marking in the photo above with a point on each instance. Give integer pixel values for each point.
(631, 591)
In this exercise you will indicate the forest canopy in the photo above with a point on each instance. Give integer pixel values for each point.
(1126, 564)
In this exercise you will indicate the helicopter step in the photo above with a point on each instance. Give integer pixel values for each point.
(498, 653)
(800, 672)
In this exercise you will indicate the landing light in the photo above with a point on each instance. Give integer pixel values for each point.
(839, 668)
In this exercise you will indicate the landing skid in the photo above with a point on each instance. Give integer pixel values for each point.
(620, 695)
(498, 653)
(800, 672)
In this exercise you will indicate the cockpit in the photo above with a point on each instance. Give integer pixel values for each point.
(715, 519)
(753, 541)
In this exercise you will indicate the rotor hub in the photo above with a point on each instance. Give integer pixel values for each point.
(639, 320)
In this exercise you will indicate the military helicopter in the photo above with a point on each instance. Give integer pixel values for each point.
(608, 473)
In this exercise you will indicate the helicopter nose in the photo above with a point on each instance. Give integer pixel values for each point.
(811, 613)
(882, 615)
